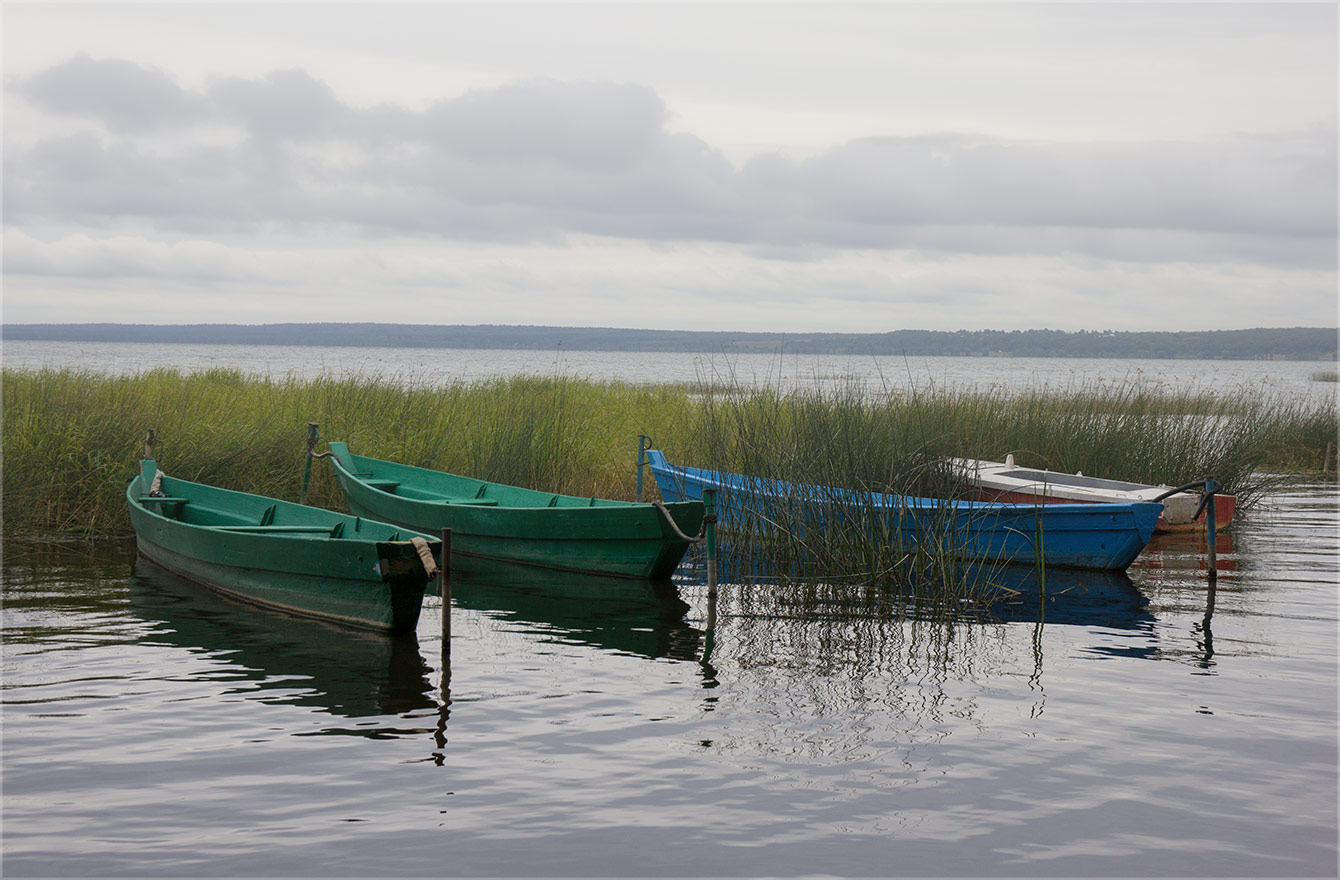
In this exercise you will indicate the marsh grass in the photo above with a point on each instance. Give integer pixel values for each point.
(72, 439)
(896, 443)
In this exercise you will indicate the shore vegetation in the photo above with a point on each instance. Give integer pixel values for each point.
(72, 439)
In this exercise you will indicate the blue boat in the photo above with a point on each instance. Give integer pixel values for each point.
(1104, 537)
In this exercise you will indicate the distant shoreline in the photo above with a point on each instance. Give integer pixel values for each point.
(1293, 343)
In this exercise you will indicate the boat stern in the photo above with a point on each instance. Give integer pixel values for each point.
(406, 575)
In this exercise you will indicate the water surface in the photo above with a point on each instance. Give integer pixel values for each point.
(419, 366)
(1119, 726)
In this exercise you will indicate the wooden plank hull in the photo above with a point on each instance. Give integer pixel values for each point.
(1104, 537)
(493, 524)
(1004, 482)
(281, 555)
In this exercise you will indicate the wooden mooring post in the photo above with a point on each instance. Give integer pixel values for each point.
(710, 539)
(1211, 552)
(444, 711)
(312, 428)
(444, 574)
(643, 443)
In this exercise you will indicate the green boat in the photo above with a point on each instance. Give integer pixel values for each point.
(492, 522)
(283, 555)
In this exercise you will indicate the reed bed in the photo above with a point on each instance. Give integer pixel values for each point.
(897, 442)
(72, 439)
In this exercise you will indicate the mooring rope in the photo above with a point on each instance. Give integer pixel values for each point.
(311, 449)
(425, 556)
(702, 530)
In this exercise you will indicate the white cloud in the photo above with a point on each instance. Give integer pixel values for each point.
(870, 167)
(542, 159)
(603, 282)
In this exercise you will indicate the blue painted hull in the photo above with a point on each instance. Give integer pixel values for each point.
(1105, 537)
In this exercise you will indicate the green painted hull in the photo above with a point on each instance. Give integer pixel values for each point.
(288, 556)
(492, 523)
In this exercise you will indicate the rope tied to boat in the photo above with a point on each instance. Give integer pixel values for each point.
(1207, 494)
(702, 530)
(156, 487)
(311, 448)
(425, 556)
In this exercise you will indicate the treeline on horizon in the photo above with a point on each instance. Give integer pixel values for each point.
(1293, 343)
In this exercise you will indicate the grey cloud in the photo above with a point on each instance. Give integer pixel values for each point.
(125, 96)
(596, 127)
(285, 104)
(1285, 186)
(540, 159)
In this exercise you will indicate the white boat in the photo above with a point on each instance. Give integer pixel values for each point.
(1006, 481)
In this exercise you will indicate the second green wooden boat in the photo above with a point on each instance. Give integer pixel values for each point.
(493, 522)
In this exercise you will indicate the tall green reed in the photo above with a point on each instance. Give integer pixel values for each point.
(71, 438)
(896, 441)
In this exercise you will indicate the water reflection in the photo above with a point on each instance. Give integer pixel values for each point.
(283, 659)
(856, 644)
(1066, 597)
(59, 579)
(1011, 593)
(1187, 551)
(645, 619)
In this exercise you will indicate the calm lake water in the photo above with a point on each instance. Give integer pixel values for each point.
(1133, 725)
(152, 728)
(420, 366)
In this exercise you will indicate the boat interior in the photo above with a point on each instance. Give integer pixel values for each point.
(223, 510)
(422, 484)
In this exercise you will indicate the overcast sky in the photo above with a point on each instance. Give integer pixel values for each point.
(778, 167)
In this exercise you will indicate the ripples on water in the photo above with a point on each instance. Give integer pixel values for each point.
(153, 728)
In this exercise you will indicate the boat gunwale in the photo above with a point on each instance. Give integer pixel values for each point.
(882, 500)
(1179, 509)
(602, 504)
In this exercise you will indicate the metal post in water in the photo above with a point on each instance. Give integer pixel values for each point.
(307, 462)
(641, 447)
(710, 537)
(444, 573)
(1211, 555)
